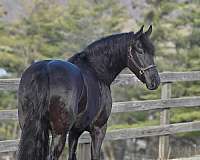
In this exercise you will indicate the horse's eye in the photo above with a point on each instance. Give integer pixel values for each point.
(140, 50)
(139, 45)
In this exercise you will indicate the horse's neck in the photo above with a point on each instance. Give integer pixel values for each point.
(107, 68)
(106, 62)
(104, 68)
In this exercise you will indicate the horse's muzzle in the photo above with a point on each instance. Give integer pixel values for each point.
(152, 79)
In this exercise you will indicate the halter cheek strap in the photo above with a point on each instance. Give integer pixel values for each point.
(141, 69)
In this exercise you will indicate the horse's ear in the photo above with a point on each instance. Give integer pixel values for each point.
(139, 33)
(149, 31)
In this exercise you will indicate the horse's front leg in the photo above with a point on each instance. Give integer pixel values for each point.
(97, 135)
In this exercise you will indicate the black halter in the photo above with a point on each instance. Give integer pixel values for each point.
(141, 70)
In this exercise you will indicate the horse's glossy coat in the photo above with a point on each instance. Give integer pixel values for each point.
(74, 96)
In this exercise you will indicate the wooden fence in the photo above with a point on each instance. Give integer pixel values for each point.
(164, 104)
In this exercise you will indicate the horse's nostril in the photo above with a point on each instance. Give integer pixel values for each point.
(153, 84)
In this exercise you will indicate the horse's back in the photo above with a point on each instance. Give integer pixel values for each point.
(63, 77)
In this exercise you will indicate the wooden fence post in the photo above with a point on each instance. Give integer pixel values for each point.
(84, 151)
(164, 119)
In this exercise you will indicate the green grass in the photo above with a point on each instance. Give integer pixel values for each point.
(137, 125)
(188, 134)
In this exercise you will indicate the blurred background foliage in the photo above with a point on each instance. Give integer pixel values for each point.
(32, 30)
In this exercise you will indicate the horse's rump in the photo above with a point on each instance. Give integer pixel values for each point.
(47, 99)
(66, 86)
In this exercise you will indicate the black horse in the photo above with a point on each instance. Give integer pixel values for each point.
(70, 97)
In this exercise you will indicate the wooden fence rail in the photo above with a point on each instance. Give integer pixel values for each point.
(120, 134)
(163, 105)
(131, 106)
(121, 80)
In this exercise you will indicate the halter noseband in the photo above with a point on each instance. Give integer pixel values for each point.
(141, 70)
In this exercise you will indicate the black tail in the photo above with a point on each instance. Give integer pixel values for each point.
(33, 100)
(34, 142)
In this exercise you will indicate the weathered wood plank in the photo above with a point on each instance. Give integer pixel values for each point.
(131, 106)
(8, 114)
(8, 145)
(9, 84)
(164, 119)
(11, 145)
(153, 131)
(180, 76)
(121, 80)
(84, 151)
(197, 157)
(130, 79)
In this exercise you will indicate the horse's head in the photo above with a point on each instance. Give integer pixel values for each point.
(141, 59)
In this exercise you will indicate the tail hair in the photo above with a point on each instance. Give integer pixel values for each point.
(34, 142)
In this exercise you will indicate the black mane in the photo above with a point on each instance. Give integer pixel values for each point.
(147, 44)
(106, 55)
(110, 44)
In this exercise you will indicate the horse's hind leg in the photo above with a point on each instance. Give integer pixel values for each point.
(97, 135)
(72, 142)
(57, 145)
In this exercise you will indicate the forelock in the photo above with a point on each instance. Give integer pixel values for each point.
(147, 44)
